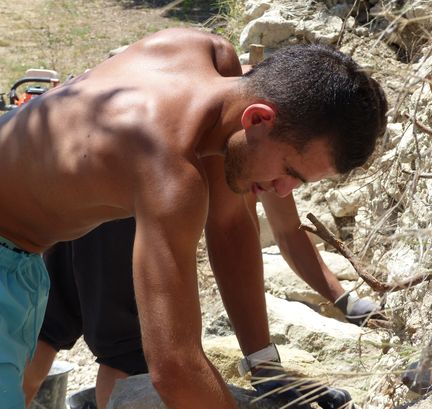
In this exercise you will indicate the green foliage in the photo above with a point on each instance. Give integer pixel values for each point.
(187, 5)
(227, 21)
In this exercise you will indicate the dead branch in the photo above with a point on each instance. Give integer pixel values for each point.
(420, 175)
(321, 231)
(419, 124)
(379, 324)
(343, 28)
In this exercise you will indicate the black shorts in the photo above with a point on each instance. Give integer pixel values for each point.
(92, 295)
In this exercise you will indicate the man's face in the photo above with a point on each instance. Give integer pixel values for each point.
(273, 166)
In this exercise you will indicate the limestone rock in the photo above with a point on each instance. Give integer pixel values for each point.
(421, 12)
(296, 322)
(271, 30)
(255, 8)
(310, 198)
(225, 354)
(345, 201)
(137, 392)
(266, 233)
(290, 23)
(422, 403)
(339, 266)
(281, 281)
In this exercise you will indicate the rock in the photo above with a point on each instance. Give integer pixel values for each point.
(324, 29)
(341, 10)
(310, 198)
(290, 23)
(422, 403)
(296, 323)
(346, 200)
(339, 266)
(281, 281)
(270, 30)
(394, 133)
(254, 9)
(137, 392)
(421, 12)
(225, 354)
(402, 261)
(221, 326)
(274, 265)
(266, 233)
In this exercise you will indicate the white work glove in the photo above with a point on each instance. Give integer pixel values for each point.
(358, 310)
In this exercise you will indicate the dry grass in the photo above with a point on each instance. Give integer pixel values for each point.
(70, 36)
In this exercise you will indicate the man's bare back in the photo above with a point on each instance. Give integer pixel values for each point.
(80, 154)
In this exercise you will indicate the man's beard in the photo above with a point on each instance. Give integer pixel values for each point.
(235, 165)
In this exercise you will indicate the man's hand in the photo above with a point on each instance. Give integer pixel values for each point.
(358, 310)
(271, 381)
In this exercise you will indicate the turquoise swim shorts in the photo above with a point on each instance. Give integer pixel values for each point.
(24, 286)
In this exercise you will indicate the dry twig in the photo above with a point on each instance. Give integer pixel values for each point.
(321, 231)
(419, 124)
(420, 175)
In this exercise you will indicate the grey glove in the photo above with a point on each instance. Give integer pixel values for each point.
(358, 310)
(272, 383)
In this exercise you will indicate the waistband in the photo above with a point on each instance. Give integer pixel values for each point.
(11, 246)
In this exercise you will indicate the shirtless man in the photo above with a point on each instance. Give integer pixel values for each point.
(92, 292)
(128, 138)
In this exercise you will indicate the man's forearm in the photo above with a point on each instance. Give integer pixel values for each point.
(197, 386)
(239, 274)
(304, 259)
(236, 259)
(296, 247)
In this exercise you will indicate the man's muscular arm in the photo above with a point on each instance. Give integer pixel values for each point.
(169, 223)
(303, 257)
(235, 256)
(297, 248)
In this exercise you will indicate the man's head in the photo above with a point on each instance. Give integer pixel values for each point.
(316, 93)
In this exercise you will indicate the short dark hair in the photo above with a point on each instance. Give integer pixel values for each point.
(318, 92)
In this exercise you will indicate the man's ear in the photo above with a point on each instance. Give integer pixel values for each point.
(258, 114)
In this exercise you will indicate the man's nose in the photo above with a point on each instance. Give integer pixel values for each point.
(283, 186)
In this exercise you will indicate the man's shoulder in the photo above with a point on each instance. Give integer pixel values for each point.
(178, 34)
(193, 45)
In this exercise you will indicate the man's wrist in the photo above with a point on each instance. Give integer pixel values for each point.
(345, 302)
(267, 354)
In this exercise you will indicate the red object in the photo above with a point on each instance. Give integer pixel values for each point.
(24, 98)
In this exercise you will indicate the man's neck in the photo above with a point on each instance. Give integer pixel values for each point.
(230, 104)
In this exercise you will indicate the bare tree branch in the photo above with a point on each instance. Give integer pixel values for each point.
(321, 231)
(419, 124)
(420, 175)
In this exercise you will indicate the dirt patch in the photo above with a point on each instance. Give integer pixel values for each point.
(70, 36)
